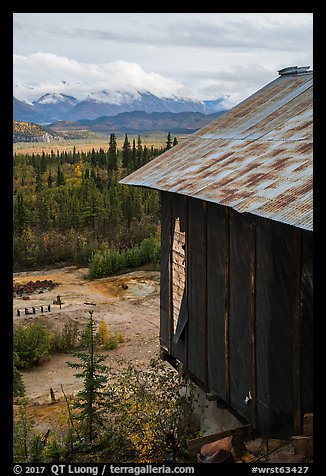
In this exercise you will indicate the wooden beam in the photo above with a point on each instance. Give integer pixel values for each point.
(252, 317)
(308, 424)
(195, 444)
(227, 306)
(296, 333)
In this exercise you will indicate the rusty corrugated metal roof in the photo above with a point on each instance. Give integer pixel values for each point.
(256, 158)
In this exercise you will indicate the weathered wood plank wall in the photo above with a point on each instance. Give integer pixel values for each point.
(247, 310)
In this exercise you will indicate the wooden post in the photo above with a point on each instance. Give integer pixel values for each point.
(308, 424)
(303, 445)
(52, 395)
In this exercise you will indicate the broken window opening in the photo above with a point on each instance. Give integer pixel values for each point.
(178, 271)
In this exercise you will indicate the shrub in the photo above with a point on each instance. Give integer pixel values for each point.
(18, 384)
(31, 343)
(54, 451)
(150, 407)
(102, 338)
(36, 449)
(22, 434)
(68, 339)
(32, 447)
(107, 262)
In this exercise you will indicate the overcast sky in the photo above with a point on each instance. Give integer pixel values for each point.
(196, 55)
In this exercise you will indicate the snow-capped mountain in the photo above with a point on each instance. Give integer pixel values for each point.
(55, 98)
(53, 107)
(22, 111)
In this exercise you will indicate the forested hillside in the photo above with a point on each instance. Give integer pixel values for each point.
(28, 132)
(69, 205)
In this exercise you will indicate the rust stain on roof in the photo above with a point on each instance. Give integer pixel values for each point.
(256, 158)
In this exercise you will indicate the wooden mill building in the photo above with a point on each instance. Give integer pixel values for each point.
(236, 254)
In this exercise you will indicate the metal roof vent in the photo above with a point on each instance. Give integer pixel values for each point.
(293, 70)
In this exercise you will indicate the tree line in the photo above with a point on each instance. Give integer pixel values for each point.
(68, 205)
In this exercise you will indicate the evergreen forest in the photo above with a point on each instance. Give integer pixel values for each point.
(69, 208)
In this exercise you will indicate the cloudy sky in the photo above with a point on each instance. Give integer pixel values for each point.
(193, 55)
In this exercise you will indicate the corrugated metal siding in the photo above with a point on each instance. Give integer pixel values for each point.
(256, 158)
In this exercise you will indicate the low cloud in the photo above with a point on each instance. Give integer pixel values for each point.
(41, 73)
(64, 75)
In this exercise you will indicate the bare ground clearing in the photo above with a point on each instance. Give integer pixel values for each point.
(128, 304)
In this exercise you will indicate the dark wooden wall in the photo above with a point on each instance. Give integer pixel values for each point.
(248, 299)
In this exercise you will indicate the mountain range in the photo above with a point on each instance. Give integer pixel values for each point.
(137, 121)
(53, 107)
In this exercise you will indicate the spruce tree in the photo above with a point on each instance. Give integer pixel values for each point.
(43, 163)
(145, 158)
(112, 154)
(139, 155)
(20, 213)
(60, 177)
(101, 158)
(93, 174)
(168, 142)
(50, 179)
(38, 181)
(133, 156)
(126, 153)
(42, 210)
(89, 401)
